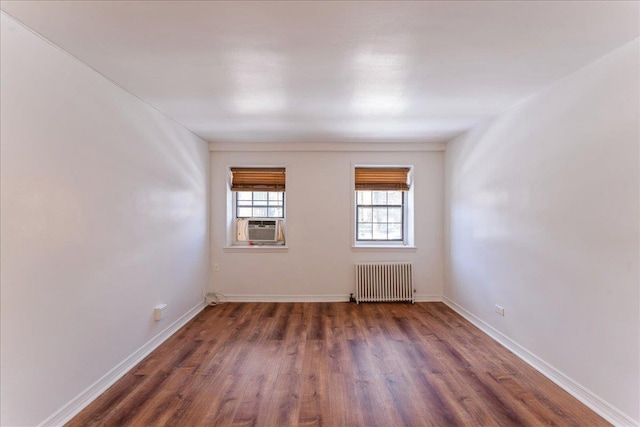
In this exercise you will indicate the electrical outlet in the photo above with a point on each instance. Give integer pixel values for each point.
(160, 311)
(500, 310)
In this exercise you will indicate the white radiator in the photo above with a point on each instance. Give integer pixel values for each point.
(384, 281)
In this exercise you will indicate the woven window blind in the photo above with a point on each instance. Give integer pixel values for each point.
(258, 179)
(390, 179)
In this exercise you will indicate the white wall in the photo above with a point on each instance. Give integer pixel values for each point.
(543, 219)
(104, 215)
(319, 264)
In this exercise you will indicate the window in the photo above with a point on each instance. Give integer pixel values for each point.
(259, 204)
(382, 205)
(380, 215)
(257, 193)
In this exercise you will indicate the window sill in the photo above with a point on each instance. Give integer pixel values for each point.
(256, 248)
(382, 248)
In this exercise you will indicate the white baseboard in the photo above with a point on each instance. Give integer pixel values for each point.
(598, 405)
(285, 298)
(428, 298)
(81, 401)
(310, 298)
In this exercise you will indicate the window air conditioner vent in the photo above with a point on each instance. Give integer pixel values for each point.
(262, 230)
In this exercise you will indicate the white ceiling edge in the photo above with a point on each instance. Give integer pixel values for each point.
(326, 147)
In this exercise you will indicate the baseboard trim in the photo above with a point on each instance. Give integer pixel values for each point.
(311, 298)
(285, 298)
(428, 298)
(590, 399)
(82, 400)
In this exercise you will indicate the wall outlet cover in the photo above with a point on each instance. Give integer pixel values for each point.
(160, 311)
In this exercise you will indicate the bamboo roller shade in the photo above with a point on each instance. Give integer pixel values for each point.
(395, 179)
(258, 179)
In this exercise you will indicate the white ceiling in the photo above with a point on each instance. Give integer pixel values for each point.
(332, 71)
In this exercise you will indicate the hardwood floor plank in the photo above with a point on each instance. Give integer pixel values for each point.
(292, 357)
(407, 400)
(435, 400)
(270, 310)
(279, 331)
(257, 391)
(528, 399)
(419, 357)
(223, 406)
(108, 401)
(314, 384)
(193, 405)
(376, 405)
(160, 407)
(465, 406)
(285, 405)
(333, 364)
(501, 407)
(126, 409)
(342, 400)
(338, 359)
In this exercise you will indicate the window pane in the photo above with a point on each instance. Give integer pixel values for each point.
(382, 221)
(365, 214)
(395, 214)
(395, 231)
(260, 212)
(364, 197)
(379, 197)
(395, 197)
(380, 214)
(364, 231)
(265, 204)
(244, 212)
(275, 196)
(380, 231)
(275, 212)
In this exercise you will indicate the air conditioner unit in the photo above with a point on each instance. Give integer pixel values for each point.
(262, 230)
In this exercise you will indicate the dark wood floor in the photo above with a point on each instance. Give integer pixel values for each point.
(333, 364)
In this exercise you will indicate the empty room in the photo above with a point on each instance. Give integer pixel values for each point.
(320, 213)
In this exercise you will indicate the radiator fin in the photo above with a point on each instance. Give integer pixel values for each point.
(384, 282)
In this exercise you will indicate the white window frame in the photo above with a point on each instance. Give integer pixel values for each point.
(408, 215)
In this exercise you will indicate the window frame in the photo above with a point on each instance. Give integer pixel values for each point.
(236, 206)
(408, 215)
(232, 218)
